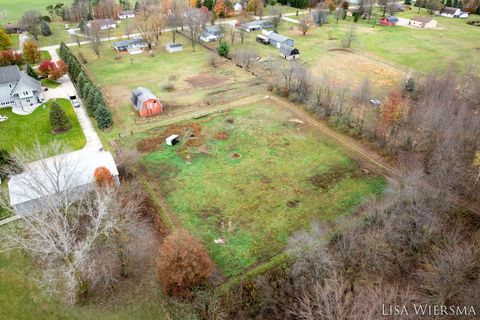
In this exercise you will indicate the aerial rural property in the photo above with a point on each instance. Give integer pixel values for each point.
(240, 159)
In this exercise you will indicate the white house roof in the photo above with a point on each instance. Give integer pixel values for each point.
(77, 169)
(277, 37)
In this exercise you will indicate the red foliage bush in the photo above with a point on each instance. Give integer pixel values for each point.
(52, 70)
(183, 264)
(103, 177)
(8, 57)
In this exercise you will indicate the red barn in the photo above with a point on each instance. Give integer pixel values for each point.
(145, 102)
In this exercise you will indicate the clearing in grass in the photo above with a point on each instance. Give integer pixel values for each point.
(251, 177)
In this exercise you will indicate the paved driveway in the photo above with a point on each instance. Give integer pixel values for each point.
(66, 89)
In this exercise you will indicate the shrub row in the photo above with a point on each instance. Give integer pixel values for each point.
(91, 94)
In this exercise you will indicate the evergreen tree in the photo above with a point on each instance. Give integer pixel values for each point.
(59, 121)
(31, 72)
(448, 3)
(98, 99)
(84, 92)
(198, 3)
(137, 6)
(103, 117)
(89, 98)
(81, 79)
(209, 4)
(223, 49)
(45, 28)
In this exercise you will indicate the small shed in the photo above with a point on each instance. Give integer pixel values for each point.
(145, 102)
(173, 47)
(103, 24)
(423, 22)
(288, 52)
(172, 140)
(13, 28)
(277, 40)
(257, 25)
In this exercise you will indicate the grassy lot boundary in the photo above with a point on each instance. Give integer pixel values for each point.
(162, 207)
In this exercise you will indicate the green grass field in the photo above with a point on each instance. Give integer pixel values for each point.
(23, 131)
(12, 11)
(20, 299)
(59, 34)
(284, 176)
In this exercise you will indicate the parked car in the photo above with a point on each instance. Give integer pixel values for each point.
(262, 39)
(74, 100)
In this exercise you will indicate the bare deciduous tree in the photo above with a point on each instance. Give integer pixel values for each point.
(305, 23)
(94, 35)
(245, 57)
(31, 22)
(276, 13)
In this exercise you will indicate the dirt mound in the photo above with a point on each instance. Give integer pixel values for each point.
(150, 144)
(221, 135)
(235, 155)
(205, 80)
(325, 180)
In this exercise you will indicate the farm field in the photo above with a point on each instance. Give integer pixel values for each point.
(181, 80)
(408, 49)
(252, 176)
(26, 130)
(12, 11)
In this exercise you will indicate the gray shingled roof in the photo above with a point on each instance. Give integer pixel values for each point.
(449, 10)
(28, 81)
(277, 37)
(422, 19)
(140, 95)
(288, 50)
(9, 74)
(103, 22)
(126, 12)
(126, 43)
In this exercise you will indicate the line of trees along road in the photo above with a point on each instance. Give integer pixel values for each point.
(91, 94)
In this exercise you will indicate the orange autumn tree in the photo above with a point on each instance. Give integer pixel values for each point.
(391, 113)
(103, 177)
(223, 8)
(183, 264)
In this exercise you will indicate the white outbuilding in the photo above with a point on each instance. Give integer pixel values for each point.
(49, 179)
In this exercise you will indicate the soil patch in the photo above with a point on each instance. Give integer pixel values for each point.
(293, 203)
(221, 135)
(325, 180)
(235, 155)
(205, 80)
(342, 50)
(150, 144)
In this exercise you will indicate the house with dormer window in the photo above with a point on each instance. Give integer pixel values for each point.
(18, 90)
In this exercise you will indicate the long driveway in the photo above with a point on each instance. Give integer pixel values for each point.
(66, 89)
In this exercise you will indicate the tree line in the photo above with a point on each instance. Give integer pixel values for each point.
(91, 94)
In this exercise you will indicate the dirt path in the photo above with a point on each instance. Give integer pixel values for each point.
(341, 139)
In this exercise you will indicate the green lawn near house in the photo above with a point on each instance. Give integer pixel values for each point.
(23, 131)
(266, 178)
(58, 35)
(49, 83)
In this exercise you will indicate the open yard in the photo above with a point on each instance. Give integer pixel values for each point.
(12, 11)
(252, 177)
(23, 131)
(382, 54)
(182, 80)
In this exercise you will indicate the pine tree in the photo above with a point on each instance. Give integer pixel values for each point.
(98, 99)
(208, 4)
(59, 121)
(45, 28)
(88, 99)
(31, 72)
(81, 79)
(103, 117)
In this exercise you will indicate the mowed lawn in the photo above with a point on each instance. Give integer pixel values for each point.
(23, 131)
(21, 299)
(12, 10)
(265, 178)
(181, 79)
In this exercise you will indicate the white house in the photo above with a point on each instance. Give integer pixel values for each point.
(44, 181)
(130, 44)
(238, 7)
(126, 14)
(103, 24)
(18, 90)
(450, 12)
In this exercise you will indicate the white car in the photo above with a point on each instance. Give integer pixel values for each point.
(75, 102)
